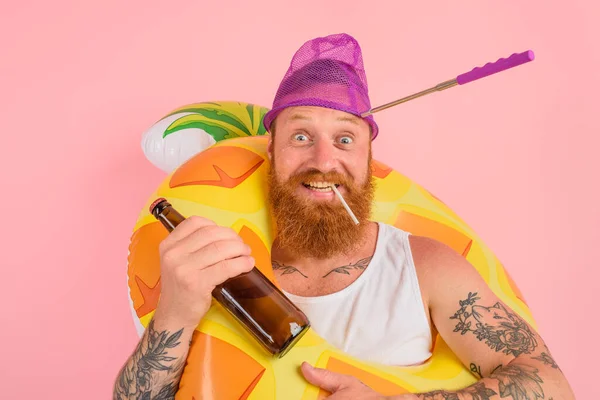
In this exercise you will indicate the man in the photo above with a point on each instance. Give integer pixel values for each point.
(370, 289)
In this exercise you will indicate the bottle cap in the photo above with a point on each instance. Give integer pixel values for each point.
(155, 203)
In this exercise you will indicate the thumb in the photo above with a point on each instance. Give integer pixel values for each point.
(323, 378)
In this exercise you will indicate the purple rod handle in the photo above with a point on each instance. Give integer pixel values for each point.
(476, 73)
(498, 66)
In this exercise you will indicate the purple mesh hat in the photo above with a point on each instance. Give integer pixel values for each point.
(326, 72)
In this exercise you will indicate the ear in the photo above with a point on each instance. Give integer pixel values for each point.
(270, 147)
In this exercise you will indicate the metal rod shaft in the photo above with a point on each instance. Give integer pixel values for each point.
(436, 88)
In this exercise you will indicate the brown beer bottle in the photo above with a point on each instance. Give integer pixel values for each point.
(252, 299)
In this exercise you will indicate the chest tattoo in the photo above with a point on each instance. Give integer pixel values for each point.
(360, 265)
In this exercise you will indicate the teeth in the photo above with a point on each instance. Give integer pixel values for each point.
(319, 186)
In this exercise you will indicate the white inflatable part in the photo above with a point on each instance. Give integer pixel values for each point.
(168, 153)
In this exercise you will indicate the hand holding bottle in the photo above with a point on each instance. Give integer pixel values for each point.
(200, 259)
(195, 257)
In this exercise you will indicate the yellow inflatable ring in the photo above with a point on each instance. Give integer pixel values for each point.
(226, 183)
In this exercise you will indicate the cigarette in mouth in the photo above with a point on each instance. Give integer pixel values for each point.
(339, 195)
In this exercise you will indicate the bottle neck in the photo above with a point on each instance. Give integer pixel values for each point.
(168, 216)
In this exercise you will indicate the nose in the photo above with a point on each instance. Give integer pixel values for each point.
(323, 157)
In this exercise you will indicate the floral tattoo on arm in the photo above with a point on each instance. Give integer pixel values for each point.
(501, 329)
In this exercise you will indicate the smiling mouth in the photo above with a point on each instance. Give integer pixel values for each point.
(320, 186)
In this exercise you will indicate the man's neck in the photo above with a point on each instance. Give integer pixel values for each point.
(313, 276)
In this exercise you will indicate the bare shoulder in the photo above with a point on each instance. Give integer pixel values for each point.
(429, 252)
(431, 255)
(437, 264)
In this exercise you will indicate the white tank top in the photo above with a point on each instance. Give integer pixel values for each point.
(379, 317)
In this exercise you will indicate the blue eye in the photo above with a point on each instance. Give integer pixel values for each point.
(346, 140)
(299, 137)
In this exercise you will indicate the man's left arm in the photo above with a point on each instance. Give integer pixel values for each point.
(495, 343)
(501, 348)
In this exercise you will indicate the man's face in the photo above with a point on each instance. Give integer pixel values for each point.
(313, 148)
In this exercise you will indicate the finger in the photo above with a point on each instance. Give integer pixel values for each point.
(203, 236)
(227, 269)
(330, 381)
(218, 251)
(185, 228)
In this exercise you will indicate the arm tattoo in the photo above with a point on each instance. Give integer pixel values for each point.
(150, 357)
(287, 269)
(516, 382)
(501, 329)
(344, 269)
(521, 382)
(475, 369)
(477, 391)
(547, 359)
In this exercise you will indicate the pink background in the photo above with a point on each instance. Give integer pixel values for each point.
(514, 154)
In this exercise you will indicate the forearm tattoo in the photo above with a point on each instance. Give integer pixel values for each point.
(477, 391)
(519, 382)
(139, 379)
(515, 381)
(501, 329)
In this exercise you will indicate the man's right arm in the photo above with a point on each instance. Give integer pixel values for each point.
(195, 257)
(154, 369)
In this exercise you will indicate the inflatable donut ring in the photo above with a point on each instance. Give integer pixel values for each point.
(188, 130)
(227, 183)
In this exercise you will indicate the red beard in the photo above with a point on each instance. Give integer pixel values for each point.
(319, 229)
